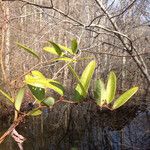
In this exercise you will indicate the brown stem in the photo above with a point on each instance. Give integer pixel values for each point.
(12, 127)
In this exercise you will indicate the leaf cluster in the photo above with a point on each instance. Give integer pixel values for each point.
(38, 84)
(106, 95)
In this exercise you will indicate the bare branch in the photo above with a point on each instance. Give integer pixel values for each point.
(126, 9)
(115, 55)
(137, 59)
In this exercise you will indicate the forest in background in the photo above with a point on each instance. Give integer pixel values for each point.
(116, 33)
(111, 37)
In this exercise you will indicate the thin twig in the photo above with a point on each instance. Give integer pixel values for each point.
(127, 8)
(12, 127)
(105, 53)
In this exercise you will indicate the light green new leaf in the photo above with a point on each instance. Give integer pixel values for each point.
(65, 48)
(42, 82)
(57, 49)
(29, 50)
(52, 50)
(19, 99)
(57, 87)
(53, 81)
(49, 101)
(78, 79)
(124, 97)
(35, 112)
(85, 81)
(7, 96)
(37, 74)
(111, 87)
(65, 59)
(34, 81)
(74, 46)
(100, 92)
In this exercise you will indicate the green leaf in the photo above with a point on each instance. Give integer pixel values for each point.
(35, 112)
(7, 96)
(124, 97)
(49, 101)
(65, 59)
(29, 50)
(111, 87)
(78, 79)
(54, 50)
(19, 98)
(65, 48)
(42, 82)
(100, 92)
(57, 87)
(37, 92)
(37, 73)
(74, 46)
(34, 81)
(85, 81)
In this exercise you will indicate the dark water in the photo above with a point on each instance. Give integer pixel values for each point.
(84, 127)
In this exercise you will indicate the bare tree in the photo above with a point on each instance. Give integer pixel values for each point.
(116, 33)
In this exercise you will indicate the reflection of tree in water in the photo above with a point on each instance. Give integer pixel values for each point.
(87, 127)
(137, 133)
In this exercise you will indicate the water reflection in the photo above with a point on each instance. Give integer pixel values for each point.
(85, 127)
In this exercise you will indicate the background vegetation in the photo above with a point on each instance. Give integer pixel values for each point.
(116, 33)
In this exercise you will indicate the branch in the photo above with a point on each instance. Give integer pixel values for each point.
(109, 30)
(129, 48)
(52, 7)
(105, 53)
(32, 68)
(11, 128)
(127, 8)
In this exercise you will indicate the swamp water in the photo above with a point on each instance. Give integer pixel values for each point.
(84, 127)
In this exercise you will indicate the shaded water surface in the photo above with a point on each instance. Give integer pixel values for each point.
(84, 127)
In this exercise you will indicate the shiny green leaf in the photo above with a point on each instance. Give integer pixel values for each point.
(85, 81)
(65, 59)
(74, 46)
(42, 83)
(7, 96)
(37, 92)
(37, 74)
(78, 79)
(124, 97)
(56, 49)
(49, 101)
(65, 48)
(19, 99)
(29, 50)
(53, 81)
(52, 50)
(111, 87)
(57, 87)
